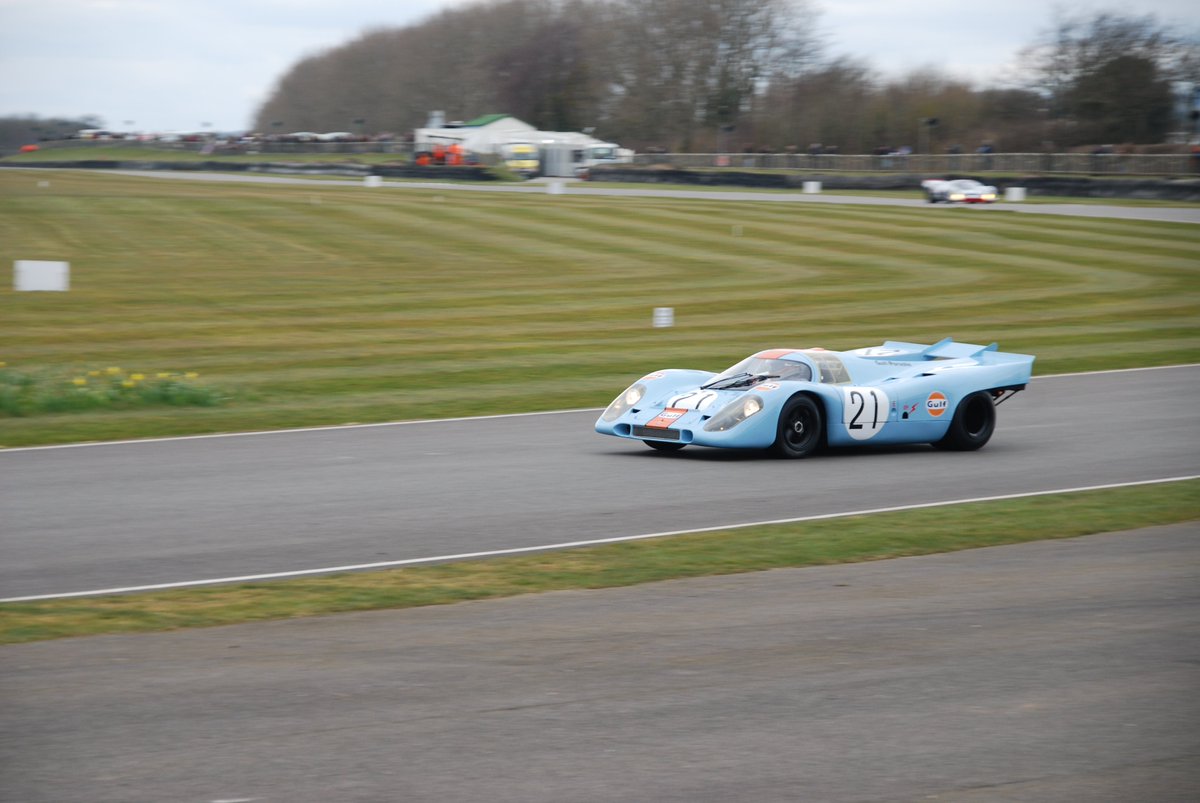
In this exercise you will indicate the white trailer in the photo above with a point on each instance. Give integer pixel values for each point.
(572, 155)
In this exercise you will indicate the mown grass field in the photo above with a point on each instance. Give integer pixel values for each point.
(345, 304)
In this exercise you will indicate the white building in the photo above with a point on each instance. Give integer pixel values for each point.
(485, 134)
(561, 153)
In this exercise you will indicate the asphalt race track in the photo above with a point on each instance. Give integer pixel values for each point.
(1181, 214)
(109, 516)
(1056, 672)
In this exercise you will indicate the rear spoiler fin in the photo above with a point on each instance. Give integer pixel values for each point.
(948, 350)
(945, 349)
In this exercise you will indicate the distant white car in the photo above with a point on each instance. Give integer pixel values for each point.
(960, 190)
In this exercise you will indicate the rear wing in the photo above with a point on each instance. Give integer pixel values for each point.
(945, 349)
(1009, 371)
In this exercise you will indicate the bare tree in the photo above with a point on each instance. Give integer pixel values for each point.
(707, 75)
(692, 67)
(1108, 78)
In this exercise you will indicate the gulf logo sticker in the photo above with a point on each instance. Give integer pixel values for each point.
(655, 375)
(666, 418)
(767, 386)
(936, 404)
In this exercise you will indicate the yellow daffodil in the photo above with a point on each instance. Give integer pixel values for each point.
(163, 375)
(80, 381)
(93, 373)
(112, 371)
(191, 375)
(128, 383)
(137, 377)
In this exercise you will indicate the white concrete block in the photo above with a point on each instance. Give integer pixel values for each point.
(36, 274)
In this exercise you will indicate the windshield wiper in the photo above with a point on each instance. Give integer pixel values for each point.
(736, 380)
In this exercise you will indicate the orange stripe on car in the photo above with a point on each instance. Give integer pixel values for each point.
(666, 418)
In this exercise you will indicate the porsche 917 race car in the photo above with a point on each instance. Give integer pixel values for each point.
(796, 401)
(960, 190)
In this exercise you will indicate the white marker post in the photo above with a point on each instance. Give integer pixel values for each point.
(664, 317)
(38, 275)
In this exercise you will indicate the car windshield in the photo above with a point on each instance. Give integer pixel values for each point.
(965, 184)
(753, 370)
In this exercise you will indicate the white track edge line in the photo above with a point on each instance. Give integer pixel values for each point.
(294, 430)
(410, 422)
(389, 564)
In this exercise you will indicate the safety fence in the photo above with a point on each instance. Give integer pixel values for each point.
(1106, 164)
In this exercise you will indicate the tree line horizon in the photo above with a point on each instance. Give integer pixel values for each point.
(734, 76)
(731, 76)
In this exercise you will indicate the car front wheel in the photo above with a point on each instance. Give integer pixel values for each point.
(801, 426)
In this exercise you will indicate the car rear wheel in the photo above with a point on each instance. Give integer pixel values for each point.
(973, 424)
(664, 446)
(801, 426)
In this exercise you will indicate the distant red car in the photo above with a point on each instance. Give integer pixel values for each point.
(960, 190)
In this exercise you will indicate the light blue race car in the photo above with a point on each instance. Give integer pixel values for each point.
(796, 401)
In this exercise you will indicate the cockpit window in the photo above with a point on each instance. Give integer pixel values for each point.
(833, 370)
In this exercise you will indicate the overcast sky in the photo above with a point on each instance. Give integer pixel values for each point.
(176, 65)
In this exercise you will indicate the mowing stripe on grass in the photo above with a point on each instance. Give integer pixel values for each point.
(494, 553)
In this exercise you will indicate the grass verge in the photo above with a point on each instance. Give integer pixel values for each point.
(23, 394)
(843, 540)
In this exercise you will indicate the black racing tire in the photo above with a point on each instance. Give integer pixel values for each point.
(932, 198)
(664, 446)
(973, 424)
(801, 428)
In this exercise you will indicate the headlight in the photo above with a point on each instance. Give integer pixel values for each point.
(989, 196)
(734, 414)
(958, 196)
(632, 395)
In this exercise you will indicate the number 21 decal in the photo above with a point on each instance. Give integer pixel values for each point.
(864, 412)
